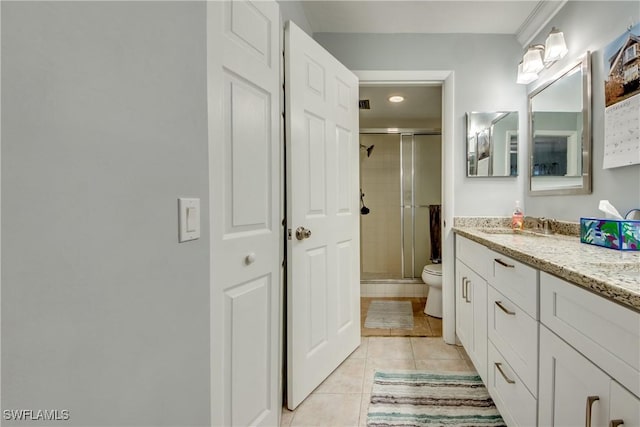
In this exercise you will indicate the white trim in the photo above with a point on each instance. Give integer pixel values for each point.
(0, 210)
(445, 77)
(537, 20)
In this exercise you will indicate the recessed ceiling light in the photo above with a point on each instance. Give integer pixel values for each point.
(396, 98)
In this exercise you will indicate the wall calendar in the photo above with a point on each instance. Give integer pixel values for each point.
(622, 100)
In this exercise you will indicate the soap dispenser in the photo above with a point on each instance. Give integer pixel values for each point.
(517, 219)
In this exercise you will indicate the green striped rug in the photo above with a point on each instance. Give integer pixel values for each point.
(417, 398)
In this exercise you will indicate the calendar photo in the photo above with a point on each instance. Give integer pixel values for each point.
(622, 100)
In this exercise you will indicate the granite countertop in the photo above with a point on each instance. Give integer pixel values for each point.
(612, 274)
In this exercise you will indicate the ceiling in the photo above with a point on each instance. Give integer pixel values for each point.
(522, 18)
(422, 105)
(421, 108)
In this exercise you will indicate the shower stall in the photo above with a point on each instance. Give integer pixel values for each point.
(399, 180)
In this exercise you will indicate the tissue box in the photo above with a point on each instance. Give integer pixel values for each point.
(620, 234)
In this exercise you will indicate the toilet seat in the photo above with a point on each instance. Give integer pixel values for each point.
(433, 269)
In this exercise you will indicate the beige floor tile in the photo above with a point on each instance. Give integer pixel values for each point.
(286, 417)
(383, 365)
(361, 351)
(436, 326)
(364, 409)
(347, 378)
(328, 410)
(373, 332)
(443, 365)
(389, 348)
(433, 348)
(463, 353)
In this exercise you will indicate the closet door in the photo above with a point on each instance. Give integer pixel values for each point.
(243, 66)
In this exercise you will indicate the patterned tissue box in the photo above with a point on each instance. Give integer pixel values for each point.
(623, 235)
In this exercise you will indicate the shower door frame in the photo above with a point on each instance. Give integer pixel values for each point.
(403, 132)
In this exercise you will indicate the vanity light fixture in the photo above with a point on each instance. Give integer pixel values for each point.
(555, 48)
(532, 60)
(525, 78)
(396, 98)
(538, 57)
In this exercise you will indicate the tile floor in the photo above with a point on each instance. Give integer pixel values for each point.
(343, 398)
(423, 325)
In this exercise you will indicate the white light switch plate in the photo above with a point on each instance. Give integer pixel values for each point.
(189, 219)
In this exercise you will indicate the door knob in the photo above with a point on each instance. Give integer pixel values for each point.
(250, 258)
(302, 233)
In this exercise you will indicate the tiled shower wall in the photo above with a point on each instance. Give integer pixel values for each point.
(380, 230)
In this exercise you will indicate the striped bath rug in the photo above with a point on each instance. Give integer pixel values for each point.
(389, 315)
(417, 398)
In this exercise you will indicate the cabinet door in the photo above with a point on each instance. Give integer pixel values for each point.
(625, 407)
(464, 310)
(569, 386)
(471, 315)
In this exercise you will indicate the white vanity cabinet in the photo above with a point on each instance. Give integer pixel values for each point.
(471, 301)
(512, 307)
(550, 352)
(589, 358)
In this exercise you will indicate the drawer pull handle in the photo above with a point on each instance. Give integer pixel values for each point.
(590, 400)
(506, 378)
(464, 288)
(467, 297)
(505, 309)
(504, 264)
(616, 423)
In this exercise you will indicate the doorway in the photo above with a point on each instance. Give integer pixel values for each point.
(445, 78)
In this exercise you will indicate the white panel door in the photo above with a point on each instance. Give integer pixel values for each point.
(243, 66)
(323, 269)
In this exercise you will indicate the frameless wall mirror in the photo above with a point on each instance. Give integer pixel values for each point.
(492, 144)
(560, 133)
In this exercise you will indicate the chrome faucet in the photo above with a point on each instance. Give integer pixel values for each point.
(543, 225)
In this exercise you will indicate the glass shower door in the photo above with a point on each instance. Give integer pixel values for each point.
(421, 187)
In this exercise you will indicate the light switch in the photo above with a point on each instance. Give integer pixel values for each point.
(189, 219)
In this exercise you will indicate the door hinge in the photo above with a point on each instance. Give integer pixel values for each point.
(289, 234)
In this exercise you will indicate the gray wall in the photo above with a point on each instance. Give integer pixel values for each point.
(591, 25)
(292, 10)
(485, 75)
(103, 127)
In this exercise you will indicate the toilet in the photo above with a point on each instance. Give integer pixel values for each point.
(432, 273)
(432, 277)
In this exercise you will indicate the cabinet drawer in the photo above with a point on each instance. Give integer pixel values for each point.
(515, 280)
(475, 255)
(515, 335)
(516, 404)
(604, 332)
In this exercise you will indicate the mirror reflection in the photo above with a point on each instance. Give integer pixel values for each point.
(492, 144)
(560, 139)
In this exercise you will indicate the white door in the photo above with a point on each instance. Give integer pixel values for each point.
(323, 269)
(243, 66)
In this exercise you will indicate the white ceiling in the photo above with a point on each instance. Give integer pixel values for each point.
(421, 104)
(522, 18)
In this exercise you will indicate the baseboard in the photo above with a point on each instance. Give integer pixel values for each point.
(373, 289)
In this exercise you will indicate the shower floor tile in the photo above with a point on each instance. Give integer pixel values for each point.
(423, 325)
